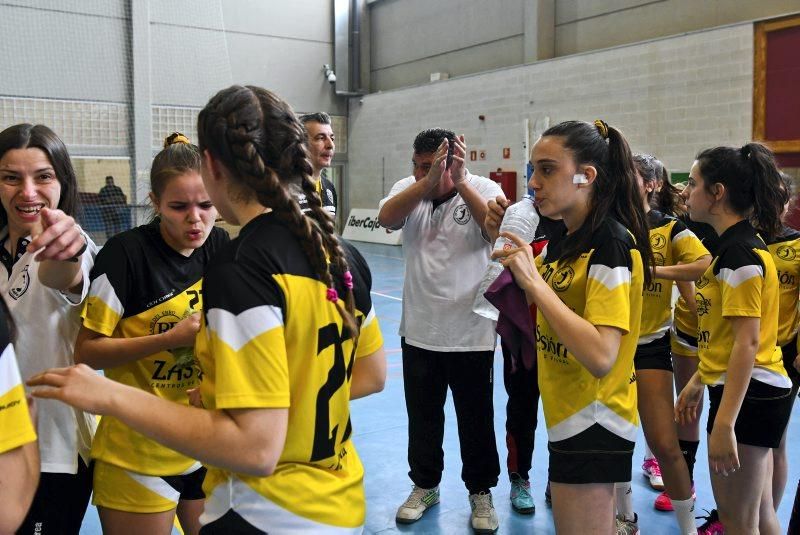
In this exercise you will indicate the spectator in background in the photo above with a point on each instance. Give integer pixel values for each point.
(321, 148)
(112, 206)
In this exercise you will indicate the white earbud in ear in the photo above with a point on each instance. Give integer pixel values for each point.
(579, 178)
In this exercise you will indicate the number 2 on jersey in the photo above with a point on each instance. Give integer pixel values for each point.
(325, 437)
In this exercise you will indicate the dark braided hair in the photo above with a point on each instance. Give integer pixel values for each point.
(258, 138)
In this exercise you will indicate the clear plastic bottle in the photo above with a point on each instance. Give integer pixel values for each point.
(521, 219)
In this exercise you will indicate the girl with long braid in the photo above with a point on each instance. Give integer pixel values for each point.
(288, 337)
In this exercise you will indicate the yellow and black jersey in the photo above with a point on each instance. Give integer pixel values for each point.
(16, 428)
(604, 286)
(684, 319)
(270, 339)
(740, 282)
(785, 251)
(672, 243)
(141, 286)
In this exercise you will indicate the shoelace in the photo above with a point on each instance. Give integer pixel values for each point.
(523, 489)
(483, 504)
(653, 466)
(415, 498)
(711, 517)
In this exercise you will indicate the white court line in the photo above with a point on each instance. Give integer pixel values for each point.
(386, 296)
(399, 258)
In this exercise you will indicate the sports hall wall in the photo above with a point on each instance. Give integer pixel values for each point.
(671, 97)
(413, 38)
(114, 77)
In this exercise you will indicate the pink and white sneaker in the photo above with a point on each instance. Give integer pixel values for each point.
(663, 503)
(652, 471)
(712, 525)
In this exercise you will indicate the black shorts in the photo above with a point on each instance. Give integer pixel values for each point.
(763, 417)
(789, 354)
(189, 485)
(231, 523)
(59, 503)
(655, 355)
(593, 456)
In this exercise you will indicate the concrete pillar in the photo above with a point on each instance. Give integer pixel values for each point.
(141, 97)
(540, 30)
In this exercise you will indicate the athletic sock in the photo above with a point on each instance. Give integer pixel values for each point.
(684, 510)
(624, 498)
(647, 453)
(689, 450)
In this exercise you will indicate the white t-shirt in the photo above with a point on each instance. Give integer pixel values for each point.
(446, 257)
(47, 322)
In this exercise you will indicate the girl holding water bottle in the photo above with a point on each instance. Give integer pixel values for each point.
(587, 287)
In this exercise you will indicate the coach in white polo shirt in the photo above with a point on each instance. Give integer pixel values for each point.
(441, 211)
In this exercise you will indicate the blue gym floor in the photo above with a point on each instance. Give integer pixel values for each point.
(379, 424)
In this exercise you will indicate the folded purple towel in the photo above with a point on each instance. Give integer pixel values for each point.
(514, 325)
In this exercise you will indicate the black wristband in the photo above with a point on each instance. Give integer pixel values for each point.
(82, 250)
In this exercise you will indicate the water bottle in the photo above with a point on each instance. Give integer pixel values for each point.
(521, 219)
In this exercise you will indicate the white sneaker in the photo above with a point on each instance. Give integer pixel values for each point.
(417, 503)
(484, 517)
(652, 471)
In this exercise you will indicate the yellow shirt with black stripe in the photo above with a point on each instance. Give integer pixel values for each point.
(140, 286)
(672, 243)
(603, 286)
(684, 320)
(785, 251)
(741, 281)
(16, 428)
(270, 339)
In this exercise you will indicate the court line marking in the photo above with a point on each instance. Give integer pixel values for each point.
(387, 296)
(400, 258)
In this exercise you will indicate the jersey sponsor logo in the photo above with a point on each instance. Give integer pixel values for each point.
(551, 348)
(703, 337)
(787, 279)
(162, 299)
(563, 278)
(21, 285)
(461, 214)
(164, 321)
(658, 259)
(702, 282)
(703, 304)
(657, 241)
(175, 372)
(786, 252)
(654, 287)
(10, 404)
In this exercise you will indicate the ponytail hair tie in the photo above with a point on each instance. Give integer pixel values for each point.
(348, 280)
(331, 295)
(745, 152)
(602, 127)
(176, 138)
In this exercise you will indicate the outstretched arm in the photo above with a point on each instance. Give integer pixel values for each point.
(248, 441)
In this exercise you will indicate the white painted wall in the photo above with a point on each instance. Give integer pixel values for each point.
(671, 97)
